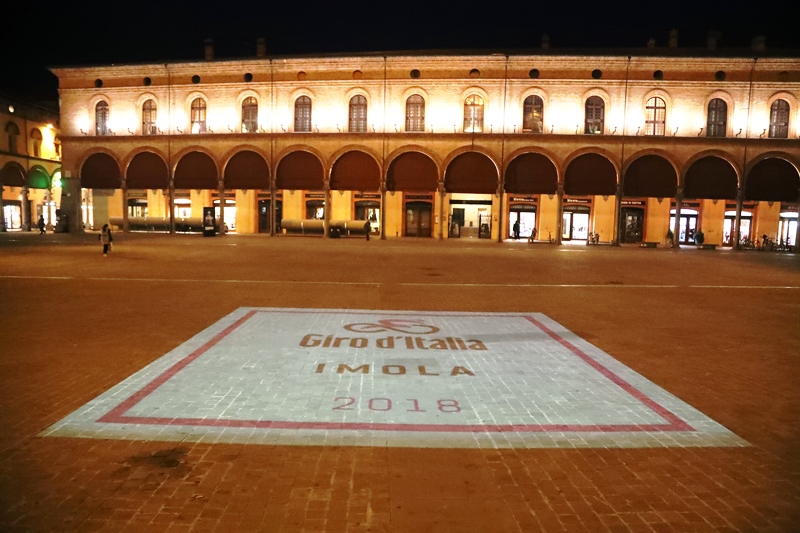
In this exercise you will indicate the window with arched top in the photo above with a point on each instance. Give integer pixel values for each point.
(779, 120)
(101, 118)
(473, 114)
(198, 115)
(595, 115)
(249, 115)
(717, 121)
(533, 114)
(12, 131)
(36, 142)
(415, 113)
(302, 113)
(655, 117)
(149, 118)
(358, 114)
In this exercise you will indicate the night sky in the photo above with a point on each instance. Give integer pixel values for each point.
(38, 34)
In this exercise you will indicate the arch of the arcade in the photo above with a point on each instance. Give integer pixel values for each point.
(465, 191)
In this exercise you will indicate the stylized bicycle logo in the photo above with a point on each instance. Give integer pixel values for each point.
(412, 327)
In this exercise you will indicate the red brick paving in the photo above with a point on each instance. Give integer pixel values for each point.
(732, 353)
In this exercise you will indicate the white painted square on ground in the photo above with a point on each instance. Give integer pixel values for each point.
(392, 378)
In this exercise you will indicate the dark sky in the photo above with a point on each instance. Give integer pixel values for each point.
(45, 33)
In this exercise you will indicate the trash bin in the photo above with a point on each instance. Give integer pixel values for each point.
(334, 232)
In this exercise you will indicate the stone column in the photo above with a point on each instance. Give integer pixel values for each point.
(617, 214)
(126, 227)
(737, 222)
(47, 199)
(171, 206)
(2, 211)
(442, 223)
(559, 212)
(383, 211)
(327, 218)
(677, 227)
(26, 209)
(501, 211)
(797, 232)
(221, 194)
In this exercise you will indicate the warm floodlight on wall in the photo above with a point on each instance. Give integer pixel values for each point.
(11, 109)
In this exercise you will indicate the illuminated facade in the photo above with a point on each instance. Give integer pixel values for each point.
(626, 147)
(30, 165)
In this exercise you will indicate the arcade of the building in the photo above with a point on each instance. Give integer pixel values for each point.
(654, 147)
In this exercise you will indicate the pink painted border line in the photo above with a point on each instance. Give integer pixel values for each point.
(117, 414)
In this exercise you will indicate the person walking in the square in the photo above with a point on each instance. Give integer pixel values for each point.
(367, 228)
(40, 224)
(516, 230)
(106, 239)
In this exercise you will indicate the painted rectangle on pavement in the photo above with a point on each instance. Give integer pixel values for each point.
(392, 378)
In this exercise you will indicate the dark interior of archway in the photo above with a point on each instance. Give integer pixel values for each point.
(12, 176)
(531, 174)
(147, 171)
(711, 178)
(247, 170)
(412, 171)
(355, 171)
(773, 180)
(196, 170)
(590, 174)
(650, 176)
(100, 171)
(300, 171)
(471, 172)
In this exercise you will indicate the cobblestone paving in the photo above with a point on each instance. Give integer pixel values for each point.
(713, 330)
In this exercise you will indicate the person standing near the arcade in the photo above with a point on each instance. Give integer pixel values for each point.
(516, 230)
(106, 239)
(367, 228)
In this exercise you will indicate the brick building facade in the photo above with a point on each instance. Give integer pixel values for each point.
(562, 146)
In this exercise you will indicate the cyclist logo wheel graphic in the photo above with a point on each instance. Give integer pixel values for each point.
(400, 325)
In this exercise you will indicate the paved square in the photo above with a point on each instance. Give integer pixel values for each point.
(392, 378)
